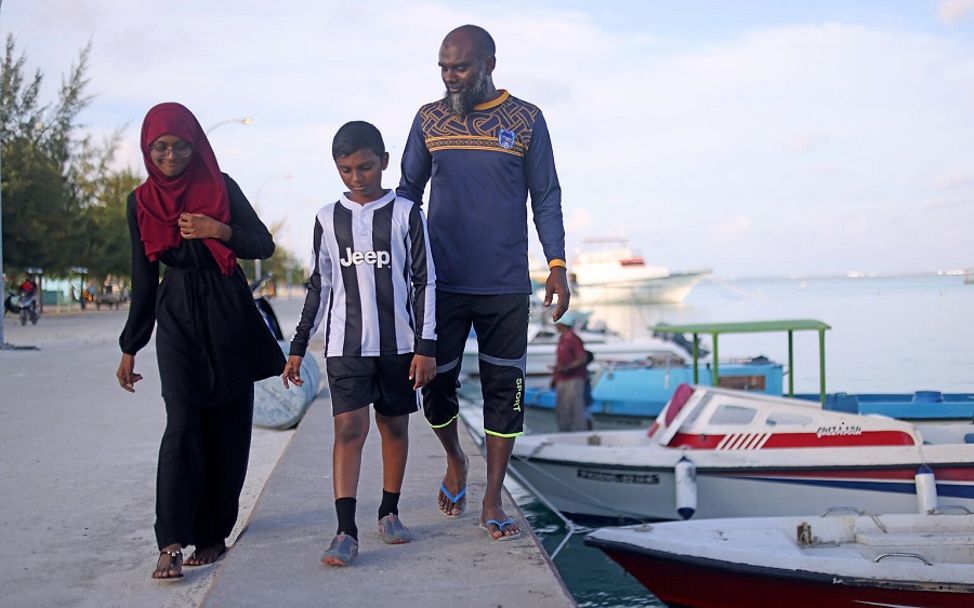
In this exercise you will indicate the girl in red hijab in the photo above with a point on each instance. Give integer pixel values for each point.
(211, 342)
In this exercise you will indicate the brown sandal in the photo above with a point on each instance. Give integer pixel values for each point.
(175, 565)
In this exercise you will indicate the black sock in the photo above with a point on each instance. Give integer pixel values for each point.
(390, 504)
(346, 517)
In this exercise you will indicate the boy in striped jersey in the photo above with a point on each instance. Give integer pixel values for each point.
(373, 285)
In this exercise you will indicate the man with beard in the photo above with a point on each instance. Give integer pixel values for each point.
(486, 151)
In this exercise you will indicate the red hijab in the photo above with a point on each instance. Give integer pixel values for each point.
(198, 189)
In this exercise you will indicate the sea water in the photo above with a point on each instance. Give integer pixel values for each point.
(889, 335)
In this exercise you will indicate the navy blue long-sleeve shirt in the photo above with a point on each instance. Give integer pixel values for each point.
(483, 166)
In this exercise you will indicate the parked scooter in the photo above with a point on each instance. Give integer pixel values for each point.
(23, 305)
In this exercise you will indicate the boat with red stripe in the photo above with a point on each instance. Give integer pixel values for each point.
(716, 452)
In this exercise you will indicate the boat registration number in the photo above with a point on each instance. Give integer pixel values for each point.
(651, 479)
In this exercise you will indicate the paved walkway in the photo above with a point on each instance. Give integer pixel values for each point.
(451, 562)
(78, 468)
(77, 486)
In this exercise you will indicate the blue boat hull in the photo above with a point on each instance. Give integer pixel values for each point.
(921, 406)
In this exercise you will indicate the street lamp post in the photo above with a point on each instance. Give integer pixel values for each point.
(246, 120)
(3, 282)
(287, 176)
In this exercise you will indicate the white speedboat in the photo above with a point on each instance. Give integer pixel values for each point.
(619, 275)
(835, 560)
(724, 453)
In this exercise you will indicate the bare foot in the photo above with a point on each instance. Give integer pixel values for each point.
(206, 555)
(170, 564)
(452, 497)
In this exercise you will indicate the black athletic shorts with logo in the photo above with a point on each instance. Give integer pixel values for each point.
(382, 381)
(501, 324)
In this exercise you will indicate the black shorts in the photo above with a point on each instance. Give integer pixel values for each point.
(382, 381)
(501, 323)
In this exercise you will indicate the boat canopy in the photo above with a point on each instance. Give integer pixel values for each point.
(746, 327)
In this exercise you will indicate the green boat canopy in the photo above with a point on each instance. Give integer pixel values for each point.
(748, 327)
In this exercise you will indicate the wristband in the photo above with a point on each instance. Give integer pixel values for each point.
(556, 263)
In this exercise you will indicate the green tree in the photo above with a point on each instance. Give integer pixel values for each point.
(108, 250)
(278, 265)
(43, 209)
(63, 204)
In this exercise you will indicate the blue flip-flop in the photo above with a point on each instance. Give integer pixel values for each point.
(453, 500)
(500, 526)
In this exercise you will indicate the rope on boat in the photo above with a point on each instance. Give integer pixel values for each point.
(570, 527)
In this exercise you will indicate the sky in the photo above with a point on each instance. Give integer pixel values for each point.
(752, 138)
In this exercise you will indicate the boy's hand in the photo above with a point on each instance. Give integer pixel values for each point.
(557, 284)
(292, 371)
(422, 370)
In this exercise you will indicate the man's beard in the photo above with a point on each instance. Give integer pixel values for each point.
(462, 103)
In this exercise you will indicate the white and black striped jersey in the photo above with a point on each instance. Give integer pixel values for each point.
(372, 281)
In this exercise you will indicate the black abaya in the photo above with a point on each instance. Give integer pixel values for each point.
(212, 344)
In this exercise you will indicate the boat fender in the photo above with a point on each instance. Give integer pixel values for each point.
(685, 481)
(926, 486)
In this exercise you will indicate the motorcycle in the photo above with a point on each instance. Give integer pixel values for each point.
(23, 305)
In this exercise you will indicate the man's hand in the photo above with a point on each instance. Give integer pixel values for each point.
(199, 226)
(292, 371)
(126, 373)
(557, 284)
(422, 370)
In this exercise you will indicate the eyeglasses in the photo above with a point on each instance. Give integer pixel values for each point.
(180, 150)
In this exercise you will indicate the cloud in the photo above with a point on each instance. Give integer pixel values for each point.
(954, 180)
(953, 11)
(827, 170)
(953, 205)
(578, 221)
(729, 232)
(660, 139)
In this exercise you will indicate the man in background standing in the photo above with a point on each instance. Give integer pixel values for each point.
(568, 377)
(486, 151)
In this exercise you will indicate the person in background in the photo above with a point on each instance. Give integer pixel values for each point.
(28, 287)
(568, 377)
(211, 342)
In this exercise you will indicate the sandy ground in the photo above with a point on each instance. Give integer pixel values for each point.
(77, 468)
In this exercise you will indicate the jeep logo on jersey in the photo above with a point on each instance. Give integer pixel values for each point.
(506, 139)
(379, 258)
